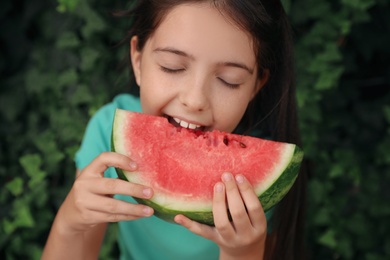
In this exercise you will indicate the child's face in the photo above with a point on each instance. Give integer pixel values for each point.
(197, 67)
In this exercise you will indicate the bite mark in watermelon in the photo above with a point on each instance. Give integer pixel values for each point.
(182, 166)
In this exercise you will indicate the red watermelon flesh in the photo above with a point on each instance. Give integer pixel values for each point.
(182, 165)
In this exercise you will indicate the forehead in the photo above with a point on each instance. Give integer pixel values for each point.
(201, 27)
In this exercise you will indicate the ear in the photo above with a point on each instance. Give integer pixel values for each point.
(261, 82)
(135, 56)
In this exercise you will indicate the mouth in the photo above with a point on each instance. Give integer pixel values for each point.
(184, 124)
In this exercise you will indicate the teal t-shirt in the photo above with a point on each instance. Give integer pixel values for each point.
(146, 238)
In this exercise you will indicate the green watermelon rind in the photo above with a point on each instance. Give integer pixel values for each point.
(269, 198)
(276, 192)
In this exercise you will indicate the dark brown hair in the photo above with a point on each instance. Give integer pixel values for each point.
(272, 111)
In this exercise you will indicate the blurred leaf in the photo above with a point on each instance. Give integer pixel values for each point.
(88, 59)
(67, 77)
(15, 186)
(336, 170)
(329, 79)
(31, 164)
(317, 192)
(359, 4)
(37, 82)
(346, 27)
(66, 5)
(81, 95)
(7, 108)
(286, 5)
(21, 217)
(322, 217)
(328, 238)
(68, 40)
(94, 23)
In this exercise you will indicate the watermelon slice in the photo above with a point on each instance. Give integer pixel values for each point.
(183, 165)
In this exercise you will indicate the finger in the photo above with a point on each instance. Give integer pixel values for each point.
(195, 227)
(220, 211)
(111, 186)
(236, 205)
(96, 217)
(112, 206)
(109, 159)
(252, 203)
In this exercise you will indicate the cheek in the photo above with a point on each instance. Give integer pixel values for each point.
(146, 102)
(153, 79)
(229, 112)
(155, 94)
(149, 88)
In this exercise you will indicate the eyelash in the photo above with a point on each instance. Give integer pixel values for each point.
(229, 85)
(174, 71)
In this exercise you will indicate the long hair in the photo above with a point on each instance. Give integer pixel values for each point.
(272, 111)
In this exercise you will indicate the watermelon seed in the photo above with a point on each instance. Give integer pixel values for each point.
(225, 140)
(242, 145)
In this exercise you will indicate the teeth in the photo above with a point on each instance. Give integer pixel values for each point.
(177, 120)
(185, 124)
(192, 126)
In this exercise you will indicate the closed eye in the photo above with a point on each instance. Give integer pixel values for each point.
(230, 85)
(168, 70)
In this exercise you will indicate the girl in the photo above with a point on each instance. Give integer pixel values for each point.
(222, 64)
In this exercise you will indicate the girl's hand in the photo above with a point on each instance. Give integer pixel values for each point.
(90, 200)
(244, 236)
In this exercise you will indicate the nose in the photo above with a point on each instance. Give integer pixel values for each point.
(194, 96)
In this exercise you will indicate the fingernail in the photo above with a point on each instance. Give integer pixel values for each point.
(147, 211)
(178, 220)
(147, 192)
(240, 178)
(227, 176)
(218, 187)
(133, 165)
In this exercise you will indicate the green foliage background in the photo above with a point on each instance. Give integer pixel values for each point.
(59, 64)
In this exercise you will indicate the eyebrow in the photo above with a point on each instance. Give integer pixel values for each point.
(184, 54)
(237, 65)
(174, 51)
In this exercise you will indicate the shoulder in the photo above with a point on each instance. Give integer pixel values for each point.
(122, 101)
(103, 117)
(100, 123)
(127, 102)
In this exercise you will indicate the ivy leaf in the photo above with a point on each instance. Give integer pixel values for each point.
(328, 239)
(337, 170)
(322, 217)
(359, 4)
(68, 77)
(47, 144)
(88, 58)
(81, 95)
(21, 217)
(94, 23)
(31, 164)
(286, 5)
(37, 81)
(67, 40)
(15, 186)
(66, 5)
(329, 79)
